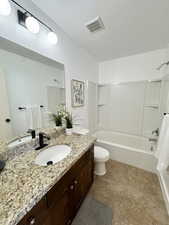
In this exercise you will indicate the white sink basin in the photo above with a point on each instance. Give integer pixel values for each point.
(19, 141)
(52, 155)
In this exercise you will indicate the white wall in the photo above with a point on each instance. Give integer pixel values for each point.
(133, 68)
(123, 108)
(124, 116)
(78, 63)
(132, 108)
(5, 128)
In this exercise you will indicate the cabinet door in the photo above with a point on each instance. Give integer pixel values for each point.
(38, 215)
(80, 187)
(86, 178)
(59, 212)
(47, 221)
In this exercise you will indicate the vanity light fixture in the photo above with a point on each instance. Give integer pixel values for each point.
(27, 19)
(32, 24)
(5, 8)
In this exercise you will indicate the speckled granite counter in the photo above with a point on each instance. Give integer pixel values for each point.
(23, 183)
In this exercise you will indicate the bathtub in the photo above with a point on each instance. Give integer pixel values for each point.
(133, 150)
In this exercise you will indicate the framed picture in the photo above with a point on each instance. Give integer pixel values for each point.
(77, 93)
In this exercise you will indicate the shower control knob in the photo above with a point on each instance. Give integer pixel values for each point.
(8, 120)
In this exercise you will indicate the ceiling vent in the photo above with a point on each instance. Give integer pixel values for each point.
(95, 25)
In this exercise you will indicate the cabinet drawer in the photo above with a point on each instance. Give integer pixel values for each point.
(37, 215)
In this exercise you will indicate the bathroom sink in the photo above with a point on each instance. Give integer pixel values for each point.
(52, 155)
(19, 141)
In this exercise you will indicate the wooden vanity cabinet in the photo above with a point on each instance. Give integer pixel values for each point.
(60, 205)
(65, 198)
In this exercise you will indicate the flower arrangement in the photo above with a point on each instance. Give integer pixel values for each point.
(69, 123)
(57, 117)
(61, 116)
(69, 120)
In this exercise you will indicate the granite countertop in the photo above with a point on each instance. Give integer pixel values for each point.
(23, 183)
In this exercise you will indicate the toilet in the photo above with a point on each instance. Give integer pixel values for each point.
(101, 156)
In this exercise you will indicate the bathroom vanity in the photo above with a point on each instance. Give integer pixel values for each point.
(60, 204)
(47, 195)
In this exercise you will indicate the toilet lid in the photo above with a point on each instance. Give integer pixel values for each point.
(100, 153)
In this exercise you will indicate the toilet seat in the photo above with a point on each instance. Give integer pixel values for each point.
(100, 154)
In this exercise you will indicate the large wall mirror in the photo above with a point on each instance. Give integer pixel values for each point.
(31, 87)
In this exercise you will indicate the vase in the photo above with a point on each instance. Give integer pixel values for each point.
(69, 131)
(58, 124)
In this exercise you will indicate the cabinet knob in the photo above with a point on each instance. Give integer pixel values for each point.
(71, 187)
(32, 220)
(75, 182)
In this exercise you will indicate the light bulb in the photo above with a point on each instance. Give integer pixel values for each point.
(52, 37)
(5, 8)
(32, 24)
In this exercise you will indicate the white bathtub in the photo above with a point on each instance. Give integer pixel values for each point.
(129, 149)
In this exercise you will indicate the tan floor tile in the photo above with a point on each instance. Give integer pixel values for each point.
(133, 194)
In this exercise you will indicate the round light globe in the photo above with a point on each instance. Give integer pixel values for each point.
(32, 24)
(5, 8)
(52, 37)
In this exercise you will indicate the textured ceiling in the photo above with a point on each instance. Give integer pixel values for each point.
(132, 26)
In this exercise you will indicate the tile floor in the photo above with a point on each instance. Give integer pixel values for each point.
(133, 194)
